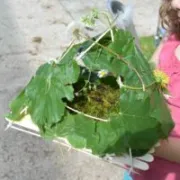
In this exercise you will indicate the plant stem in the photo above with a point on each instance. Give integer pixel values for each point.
(68, 49)
(109, 22)
(93, 44)
(132, 163)
(87, 115)
(138, 88)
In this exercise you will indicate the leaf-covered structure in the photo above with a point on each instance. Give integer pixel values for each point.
(69, 101)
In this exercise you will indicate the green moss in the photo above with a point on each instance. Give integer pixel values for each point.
(101, 101)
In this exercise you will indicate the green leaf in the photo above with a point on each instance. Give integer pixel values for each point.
(109, 134)
(18, 105)
(79, 131)
(44, 93)
(77, 141)
(83, 132)
(46, 105)
(124, 46)
(161, 112)
(142, 129)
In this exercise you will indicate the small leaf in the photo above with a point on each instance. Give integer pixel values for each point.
(77, 141)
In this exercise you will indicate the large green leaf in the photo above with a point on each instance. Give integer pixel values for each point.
(47, 107)
(44, 93)
(79, 131)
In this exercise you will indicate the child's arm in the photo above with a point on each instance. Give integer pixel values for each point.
(155, 58)
(169, 149)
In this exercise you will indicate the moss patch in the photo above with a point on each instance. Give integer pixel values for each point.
(98, 99)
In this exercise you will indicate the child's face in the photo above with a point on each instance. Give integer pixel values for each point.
(175, 4)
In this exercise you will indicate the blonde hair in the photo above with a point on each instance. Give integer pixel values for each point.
(169, 18)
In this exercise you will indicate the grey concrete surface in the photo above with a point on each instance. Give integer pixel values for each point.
(23, 157)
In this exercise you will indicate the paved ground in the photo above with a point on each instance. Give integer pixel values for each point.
(23, 157)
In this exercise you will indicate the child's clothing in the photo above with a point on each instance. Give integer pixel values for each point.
(161, 169)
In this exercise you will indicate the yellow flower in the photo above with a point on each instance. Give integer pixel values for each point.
(161, 78)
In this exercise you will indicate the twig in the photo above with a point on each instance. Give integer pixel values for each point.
(131, 157)
(68, 49)
(93, 44)
(107, 17)
(87, 115)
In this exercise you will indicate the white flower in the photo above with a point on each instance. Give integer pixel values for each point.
(103, 73)
(75, 29)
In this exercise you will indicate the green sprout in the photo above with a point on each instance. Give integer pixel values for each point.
(90, 20)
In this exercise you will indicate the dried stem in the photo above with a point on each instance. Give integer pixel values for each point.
(93, 44)
(87, 115)
(68, 49)
(109, 22)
